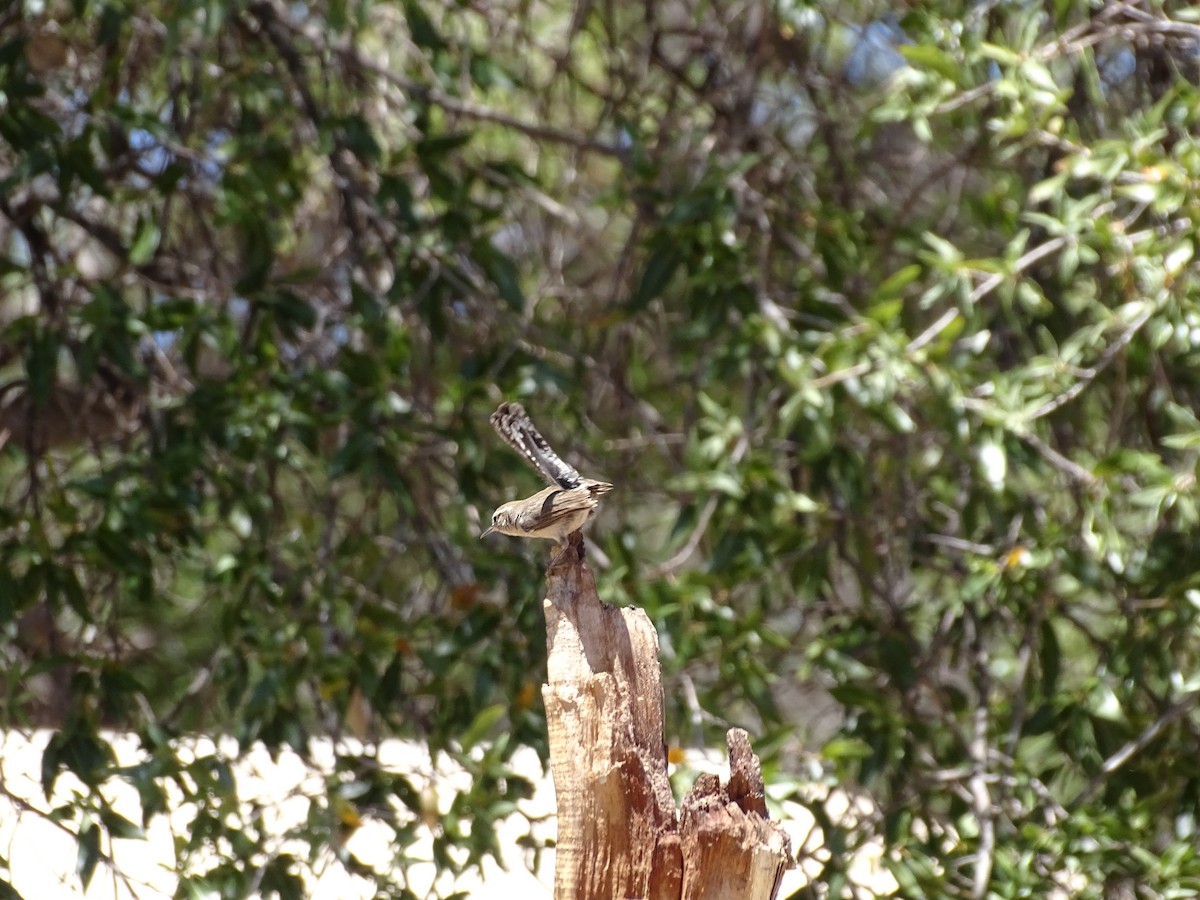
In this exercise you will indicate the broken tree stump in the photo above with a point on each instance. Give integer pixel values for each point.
(619, 836)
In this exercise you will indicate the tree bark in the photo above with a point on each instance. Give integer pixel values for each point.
(619, 836)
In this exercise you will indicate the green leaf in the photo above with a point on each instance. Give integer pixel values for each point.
(503, 274)
(1050, 658)
(1038, 75)
(845, 748)
(8, 599)
(437, 146)
(1177, 258)
(482, 725)
(1000, 54)
(64, 582)
(145, 243)
(421, 27)
(120, 827)
(659, 271)
(1049, 188)
(41, 365)
(1142, 192)
(895, 283)
(360, 138)
(1104, 704)
(88, 854)
(926, 56)
(258, 255)
(946, 251)
(886, 312)
(293, 313)
(1188, 441)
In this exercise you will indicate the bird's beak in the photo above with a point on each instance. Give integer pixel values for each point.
(490, 530)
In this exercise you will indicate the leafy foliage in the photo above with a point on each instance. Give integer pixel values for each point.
(886, 328)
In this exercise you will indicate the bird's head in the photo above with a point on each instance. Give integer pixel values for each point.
(502, 521)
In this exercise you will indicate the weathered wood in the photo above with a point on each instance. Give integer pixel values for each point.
(618, 833)
(731, 850)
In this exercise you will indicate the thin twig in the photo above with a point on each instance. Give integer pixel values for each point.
(1068, 467)
(1090, 375)
(1175, 711)
(453, 104)
(841, 375)
(1023, 262)
(49, 818)
(939, 325)
(957, 543)
(670, 566)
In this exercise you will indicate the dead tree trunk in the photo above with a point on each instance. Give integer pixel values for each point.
(619, 835)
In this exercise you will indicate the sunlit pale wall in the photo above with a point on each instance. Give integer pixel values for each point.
(43, 854)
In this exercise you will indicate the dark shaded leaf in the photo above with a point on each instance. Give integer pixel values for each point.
(657, 274)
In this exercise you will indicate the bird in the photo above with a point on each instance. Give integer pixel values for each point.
(552, 513)
(555, 512)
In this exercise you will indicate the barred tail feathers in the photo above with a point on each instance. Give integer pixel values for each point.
(513, 424)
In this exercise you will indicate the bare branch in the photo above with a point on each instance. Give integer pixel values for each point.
(1175, 711)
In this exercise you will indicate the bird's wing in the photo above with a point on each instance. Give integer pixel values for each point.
(558, 506)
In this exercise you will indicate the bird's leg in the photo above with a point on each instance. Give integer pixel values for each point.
(572, 546)
(575, 542)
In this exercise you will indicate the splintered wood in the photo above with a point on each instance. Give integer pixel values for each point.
(619, 836)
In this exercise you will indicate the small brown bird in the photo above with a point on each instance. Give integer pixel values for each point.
(551, 513)
(555, 512)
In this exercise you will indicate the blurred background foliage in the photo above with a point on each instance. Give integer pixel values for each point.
(884, 319)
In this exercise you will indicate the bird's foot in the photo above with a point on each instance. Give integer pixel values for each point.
(570, 552)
